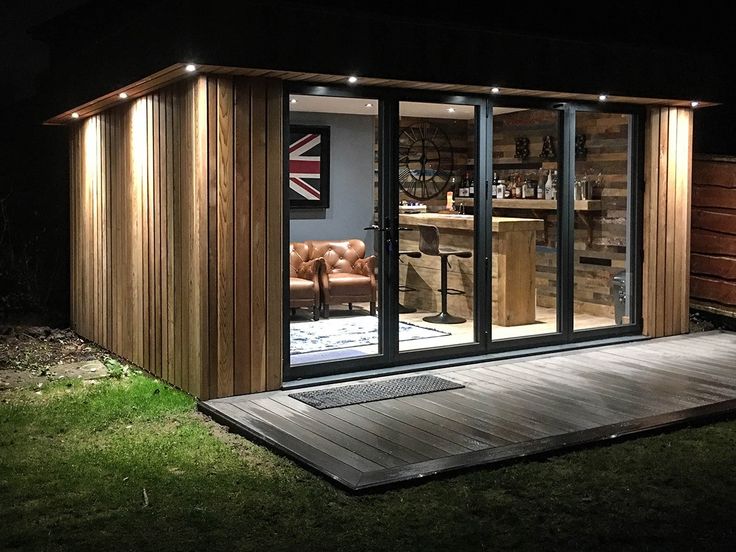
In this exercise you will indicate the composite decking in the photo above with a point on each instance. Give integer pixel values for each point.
(507, 409)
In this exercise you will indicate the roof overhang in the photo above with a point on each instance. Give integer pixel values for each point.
(178, 72)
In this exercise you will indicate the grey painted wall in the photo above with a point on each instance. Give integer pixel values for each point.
(351, 181)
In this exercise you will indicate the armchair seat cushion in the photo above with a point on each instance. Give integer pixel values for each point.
(349, 285)
(301, 289)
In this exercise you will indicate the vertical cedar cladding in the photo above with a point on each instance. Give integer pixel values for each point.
(176, 233)
(667, 197)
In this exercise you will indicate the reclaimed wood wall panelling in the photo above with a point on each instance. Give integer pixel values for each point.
(172, 195)
(667, 200)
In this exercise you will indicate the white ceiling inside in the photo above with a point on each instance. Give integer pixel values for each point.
(369, 106)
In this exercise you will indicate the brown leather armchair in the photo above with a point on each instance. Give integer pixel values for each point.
(304, 278)
(347, 276)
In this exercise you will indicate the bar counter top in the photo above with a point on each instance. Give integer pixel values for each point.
(465, 222)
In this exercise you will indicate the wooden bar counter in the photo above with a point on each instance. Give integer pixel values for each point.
(513, 266)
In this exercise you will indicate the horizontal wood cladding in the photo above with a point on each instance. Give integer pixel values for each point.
(713, 260)
(163, 230)
(667, 205)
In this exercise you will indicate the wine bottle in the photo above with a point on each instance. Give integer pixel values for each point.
(548, 186)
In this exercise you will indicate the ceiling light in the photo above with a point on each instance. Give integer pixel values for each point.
(495, 90)
(292, 100)
(123, 96)
(451, 109)
(694, 103)
(352, 79)
(602, 98)
(191, 67)
(369, 104)
(75, 115)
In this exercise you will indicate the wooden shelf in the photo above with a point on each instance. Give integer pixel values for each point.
(544, 204)
(525, 165)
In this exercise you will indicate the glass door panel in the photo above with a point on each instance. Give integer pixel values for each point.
(335, 239)
(603, 221)
(525, 222)
(437, 255)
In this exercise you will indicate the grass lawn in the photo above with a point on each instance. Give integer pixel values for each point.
(76, 458)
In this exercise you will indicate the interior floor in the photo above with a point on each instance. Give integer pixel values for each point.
(437, 336)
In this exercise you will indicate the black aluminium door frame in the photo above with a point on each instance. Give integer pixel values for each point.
(368, 362)
(481, 245)
(389, 99)
(566, 210)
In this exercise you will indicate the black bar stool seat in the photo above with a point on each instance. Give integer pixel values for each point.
(429, 244)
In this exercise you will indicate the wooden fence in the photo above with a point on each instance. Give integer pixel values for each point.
(713, 247)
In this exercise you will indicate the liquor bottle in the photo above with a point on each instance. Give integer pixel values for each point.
(548, 186)
(540, 186)
(501, 189)
(465, 186)
(494, 185)
(555, 182)
(471, 187)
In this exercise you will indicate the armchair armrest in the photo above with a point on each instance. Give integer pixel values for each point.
(366, 267)
(310, 270)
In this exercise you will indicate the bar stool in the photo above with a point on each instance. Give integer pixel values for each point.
(403, 309)
(429, 244)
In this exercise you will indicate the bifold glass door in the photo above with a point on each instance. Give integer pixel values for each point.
(427, 227)
(438, 217)
(336, 243)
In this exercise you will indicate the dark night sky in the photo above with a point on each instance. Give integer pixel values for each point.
(22, 58)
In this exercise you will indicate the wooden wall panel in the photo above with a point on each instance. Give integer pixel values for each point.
(176, 224)
(713, 243)
(667, 198)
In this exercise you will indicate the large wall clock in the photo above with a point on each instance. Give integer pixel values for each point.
(426, 161)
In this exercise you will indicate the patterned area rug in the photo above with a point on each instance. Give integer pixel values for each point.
(346, 395)
(341, 333)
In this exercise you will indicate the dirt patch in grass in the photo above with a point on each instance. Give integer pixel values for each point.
(36, 355)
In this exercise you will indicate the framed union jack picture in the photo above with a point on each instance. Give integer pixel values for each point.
(309, 167)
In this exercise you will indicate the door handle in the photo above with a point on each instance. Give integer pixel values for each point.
(405, 229)
(375, 227)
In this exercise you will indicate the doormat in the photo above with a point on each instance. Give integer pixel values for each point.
(341, 333)
(374, 391)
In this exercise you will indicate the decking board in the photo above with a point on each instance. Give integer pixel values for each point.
(507, 410)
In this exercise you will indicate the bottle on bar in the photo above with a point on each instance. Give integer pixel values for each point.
(540, 185)
(554, 184)
(494, 185)
(548, 186)
(471, 187)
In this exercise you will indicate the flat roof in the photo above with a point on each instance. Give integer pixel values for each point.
(178, 71)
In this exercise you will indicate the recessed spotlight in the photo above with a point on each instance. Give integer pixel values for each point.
(352, 79)
(292, 100)
(75, 115)
(451, 110)
(191, 67)
(495, 90)
(123, 96)
(369, 104)
(694, 103)
(602, 98)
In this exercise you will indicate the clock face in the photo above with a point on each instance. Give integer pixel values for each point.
(426, 160)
